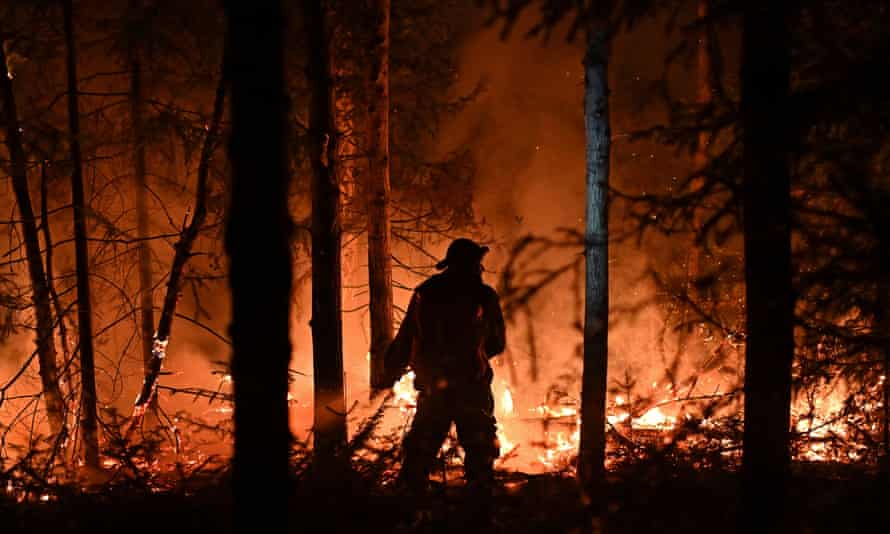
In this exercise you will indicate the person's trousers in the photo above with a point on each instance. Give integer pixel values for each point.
(471, 408)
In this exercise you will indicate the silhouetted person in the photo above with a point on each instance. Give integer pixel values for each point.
(452, 328)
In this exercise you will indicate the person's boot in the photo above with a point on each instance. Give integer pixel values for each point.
(480, 499)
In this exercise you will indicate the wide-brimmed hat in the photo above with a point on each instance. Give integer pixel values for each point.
(462, 251)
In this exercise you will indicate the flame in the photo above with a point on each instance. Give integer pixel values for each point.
(615, 419)
(555, 411)
(506, 446)
(562, 448)
(507, 401)
(405, 396)
(654, 419)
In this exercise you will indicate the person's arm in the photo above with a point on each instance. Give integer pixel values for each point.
(398, 354)
(496, 330)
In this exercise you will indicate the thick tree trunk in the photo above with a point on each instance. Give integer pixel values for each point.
(89, 427)
(379, 256)
(257, 242)
(146, 304)
(770, 302)
(40, 296)
(329, 430)
(592, 449)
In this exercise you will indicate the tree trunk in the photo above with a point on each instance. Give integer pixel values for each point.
(50, 284)
(88, 419)
(40, 297)
(883, 323)
(700, 157)
(146, 304)
(379, 257)
(257, 241)
(766, 60)
(181, 256)
(329, 430)
(592, 449)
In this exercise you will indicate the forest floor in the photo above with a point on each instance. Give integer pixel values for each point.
(642, 499)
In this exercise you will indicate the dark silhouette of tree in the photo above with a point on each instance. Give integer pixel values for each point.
(257, 241)
(40, 295)
(89, 425)
(592, 447)
(379, 227)
(766, 195)
(329, 428)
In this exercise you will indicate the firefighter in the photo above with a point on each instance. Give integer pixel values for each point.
(452, 327)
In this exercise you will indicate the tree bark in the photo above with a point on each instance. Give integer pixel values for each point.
(766, 66)
(379, 255)
(257, 241)
(40, 296)
(592, 448)
(329, 430)
(89, 419)
(146, 303)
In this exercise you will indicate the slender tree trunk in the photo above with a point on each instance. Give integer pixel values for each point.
(257, 241)
(700, 157)
(50, 284)
(181, 256)
(770, 302)
(40, 297)
(146, 304)
(89, 417)
(329, 431)
(882, 322)
(592, 450)
(379, 256)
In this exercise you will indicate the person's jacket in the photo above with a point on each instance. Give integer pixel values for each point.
(452, 327)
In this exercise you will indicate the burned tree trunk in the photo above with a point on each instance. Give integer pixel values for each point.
(257, 241)
(40, 296)
(181, 256)
(592, 448)
(379, 256)
(766, 193)
(89, 418)
(329, 429)
(146, 304)
(883, 323)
